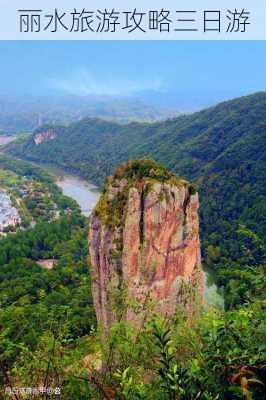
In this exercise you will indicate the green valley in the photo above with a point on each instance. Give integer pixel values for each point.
(49, 337)
(221, 149)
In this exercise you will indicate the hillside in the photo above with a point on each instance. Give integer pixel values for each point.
(146, 215)
(50, 338)
(221, 148)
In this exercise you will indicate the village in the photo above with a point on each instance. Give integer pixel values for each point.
(9, 215)
(23, 202)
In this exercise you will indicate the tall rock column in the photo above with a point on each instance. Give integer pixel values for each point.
(144, 243)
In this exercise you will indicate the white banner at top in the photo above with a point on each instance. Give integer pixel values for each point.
(133, 20)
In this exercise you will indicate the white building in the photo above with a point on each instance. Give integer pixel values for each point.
(8, 214)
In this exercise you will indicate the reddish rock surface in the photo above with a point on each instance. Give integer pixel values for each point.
(44, 136)
(150, 255)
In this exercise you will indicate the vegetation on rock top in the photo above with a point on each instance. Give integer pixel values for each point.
(137, 170)
(140, 174)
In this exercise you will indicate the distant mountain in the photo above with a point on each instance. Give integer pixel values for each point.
(185, 101)
(26, 114)
(221, 148)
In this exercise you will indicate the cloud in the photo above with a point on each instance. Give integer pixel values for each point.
(83, 82)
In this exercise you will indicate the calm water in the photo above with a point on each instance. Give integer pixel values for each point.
(212, 295)
(86, 195)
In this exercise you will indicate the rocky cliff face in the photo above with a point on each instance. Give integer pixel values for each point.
(144, 243)
(44, 136)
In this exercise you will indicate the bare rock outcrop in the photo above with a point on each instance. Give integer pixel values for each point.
(45, 135)
(144, 243)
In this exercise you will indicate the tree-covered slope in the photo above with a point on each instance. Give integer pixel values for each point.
(221, 148)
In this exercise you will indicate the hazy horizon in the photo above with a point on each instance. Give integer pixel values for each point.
(216, 69)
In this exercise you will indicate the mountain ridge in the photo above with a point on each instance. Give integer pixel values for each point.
(220, 148)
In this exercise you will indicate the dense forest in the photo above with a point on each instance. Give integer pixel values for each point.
(221, 149)
(49, 339)
(48, 332)
(37, 303)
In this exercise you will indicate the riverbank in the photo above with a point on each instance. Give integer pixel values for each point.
(85, 193)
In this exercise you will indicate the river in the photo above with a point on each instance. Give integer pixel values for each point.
(212, 295)
(87, 194)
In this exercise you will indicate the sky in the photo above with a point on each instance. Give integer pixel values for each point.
(122, 68)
